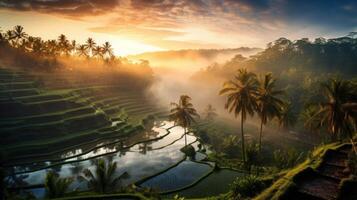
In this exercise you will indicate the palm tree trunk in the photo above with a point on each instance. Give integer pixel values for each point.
(185, 137)
(242, 134)
(260, 135)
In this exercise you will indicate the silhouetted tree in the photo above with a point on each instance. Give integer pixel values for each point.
(269, 103)
(183, 113)
(241, 95)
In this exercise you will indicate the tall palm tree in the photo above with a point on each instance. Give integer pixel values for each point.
(103, 179)
(82, 50)
(210, 112)
(63, 44)
(97, 52)
(19, 34)
(183, 113)
(10, 36)
(241, 95)
(2, 36)
(73, 47)
(337, 111)
(90, 45)
(55, 186)
(107, 50)
(269, 102)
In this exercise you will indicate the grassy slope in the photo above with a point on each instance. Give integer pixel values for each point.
(284, 185)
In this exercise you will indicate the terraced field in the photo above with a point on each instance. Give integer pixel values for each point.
(44, 115)
(61, 124)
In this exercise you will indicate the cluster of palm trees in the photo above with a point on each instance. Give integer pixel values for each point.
(247, 94)
(19, 39)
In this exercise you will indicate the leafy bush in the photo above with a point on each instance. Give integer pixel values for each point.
(202, 134)
(231, 146)
(247, 186)
(189, 151)
(287, 159)
(55, 186)
(252, 155)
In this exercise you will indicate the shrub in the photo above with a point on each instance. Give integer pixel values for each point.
(287, 159)
(189, 151)
(231, 146)
(252, 156)
(247, 186)
(55, 186)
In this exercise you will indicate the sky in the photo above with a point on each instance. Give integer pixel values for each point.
(136, 26)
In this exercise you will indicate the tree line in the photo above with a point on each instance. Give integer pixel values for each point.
(248, 94)
(62, 46)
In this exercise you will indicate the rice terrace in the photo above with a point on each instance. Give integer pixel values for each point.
(164, 99)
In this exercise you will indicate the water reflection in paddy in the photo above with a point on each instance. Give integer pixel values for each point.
(139, 161)
(180, 176)
(157, 131)
(216, 183)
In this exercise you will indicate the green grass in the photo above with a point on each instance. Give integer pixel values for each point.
(284, 185)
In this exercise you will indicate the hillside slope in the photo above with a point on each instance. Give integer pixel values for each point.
(325, 175)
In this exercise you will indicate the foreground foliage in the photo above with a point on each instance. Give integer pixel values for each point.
(103, 179)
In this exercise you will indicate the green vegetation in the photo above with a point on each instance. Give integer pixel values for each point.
(103, 179)
(57, 119)
(284, 159)
(183, 113)
(337, 110)
(55, 186)
(241, 98)
(248, 186)
(268, 102)
(51, 103)
(289, 184)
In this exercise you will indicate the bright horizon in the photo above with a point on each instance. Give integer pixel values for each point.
(134, 27)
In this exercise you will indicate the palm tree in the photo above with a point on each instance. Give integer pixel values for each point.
(55, 186)
(90, 44)
(82, 50)
(52, 48)
(183, 113)
(107, 50)
(63, 44)
(10, 37)
(97, 52)
(287, 117)
(2, 36)
(73, 47)
(210, 112)
(241, 95)
(19, 34)
(269, 103)
(103, 179)
(337, 112)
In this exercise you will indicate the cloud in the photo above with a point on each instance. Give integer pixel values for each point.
(228, 22)
(63, 7)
